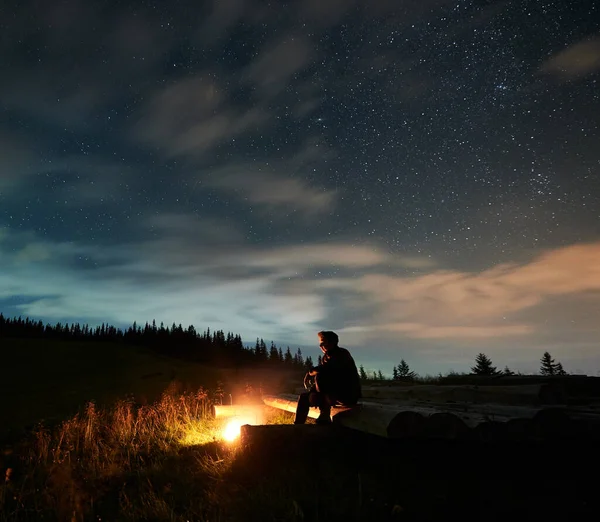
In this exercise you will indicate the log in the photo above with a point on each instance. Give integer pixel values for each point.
(532, 394)
(457, 422)
(391, 421)
(311, 444)
(288, 402)
(246, 413)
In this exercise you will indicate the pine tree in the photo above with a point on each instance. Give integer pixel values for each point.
(263, 350)
(404, 371)
(395, 374)
(507, 371)
(287, 358)
(483, 365)
(308, 363)
(380, 375)
(273, 353)
(560, 370)
(362, 373)
(548, 366)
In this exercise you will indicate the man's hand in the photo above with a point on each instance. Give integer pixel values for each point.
(307, 381)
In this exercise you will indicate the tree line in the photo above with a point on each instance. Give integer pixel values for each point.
(224, 349)
(548, 366)
(483, 366)
(215, 347)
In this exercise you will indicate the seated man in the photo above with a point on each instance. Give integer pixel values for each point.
(336, 381)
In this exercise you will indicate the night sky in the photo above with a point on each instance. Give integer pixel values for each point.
(420, 176)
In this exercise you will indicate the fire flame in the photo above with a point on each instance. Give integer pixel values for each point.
(238, 415)
(232, 429)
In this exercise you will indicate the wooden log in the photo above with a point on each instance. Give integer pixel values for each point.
(516, 395)
(387, 420)
(286, 437)
(248, 413)
(454, 421)
(406, 425)
(445, 426)
(491, 431)
(520, 430)
(308, 446)
(554, 424)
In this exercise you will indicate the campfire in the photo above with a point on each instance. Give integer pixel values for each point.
(238, 416)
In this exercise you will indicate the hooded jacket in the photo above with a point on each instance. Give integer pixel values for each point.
(337, 375)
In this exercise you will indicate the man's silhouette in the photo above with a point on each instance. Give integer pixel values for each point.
(336, 381)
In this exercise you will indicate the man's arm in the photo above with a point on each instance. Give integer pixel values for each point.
(316, 369)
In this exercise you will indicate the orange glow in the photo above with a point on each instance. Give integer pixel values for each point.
(232, 429)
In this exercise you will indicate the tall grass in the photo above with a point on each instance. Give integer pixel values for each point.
(121, 463)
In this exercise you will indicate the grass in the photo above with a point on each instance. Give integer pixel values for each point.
(162, 459)
(122, 463)
(50, 380)
(166, 462)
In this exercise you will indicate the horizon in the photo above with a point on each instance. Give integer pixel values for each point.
(306, 350)
(420, 177)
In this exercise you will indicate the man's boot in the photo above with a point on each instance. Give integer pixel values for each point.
(324, 417)
(302, 409)
(325, 410)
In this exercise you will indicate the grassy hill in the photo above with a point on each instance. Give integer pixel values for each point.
(51, 380)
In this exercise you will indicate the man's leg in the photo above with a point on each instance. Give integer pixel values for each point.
(302, 408)
(325, 403)
(325, 399)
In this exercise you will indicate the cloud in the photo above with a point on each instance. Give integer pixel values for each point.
(577, 60)
(18, 160)
(189, 272)
(33, 252)
(318, 255)
(223, 16)
(79, 76)
(277, 63)
(469, 305)
(426, 331)
(270, 190)
(206, 231)
(192, 116)
(326, 13)
(176, 277)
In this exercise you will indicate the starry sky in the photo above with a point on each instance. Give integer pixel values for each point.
(420, 176)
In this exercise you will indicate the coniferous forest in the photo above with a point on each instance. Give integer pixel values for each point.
(209, 347)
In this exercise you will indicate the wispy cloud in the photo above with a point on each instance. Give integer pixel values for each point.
(202, 272)
(272, 190)
(456, 304)
(192, 116)
(186, 274)
(427, 331)
(577, 60)
(224, 14)
(277, 63)
(17, 160)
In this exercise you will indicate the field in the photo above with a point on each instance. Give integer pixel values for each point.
(164, 459)
(52, 380)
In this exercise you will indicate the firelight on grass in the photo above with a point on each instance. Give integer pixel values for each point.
(237, 416)
(232, 429)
